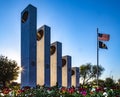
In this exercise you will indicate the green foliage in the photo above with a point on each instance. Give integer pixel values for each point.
(100, 82)
(119, 81)
(9, 70)
(89, 71)
(14, 85)
(109, 82)
(100, 70)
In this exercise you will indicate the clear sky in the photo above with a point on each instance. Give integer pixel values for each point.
(72, 22)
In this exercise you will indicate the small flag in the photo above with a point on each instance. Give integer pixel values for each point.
(103, 37)
(102, 45)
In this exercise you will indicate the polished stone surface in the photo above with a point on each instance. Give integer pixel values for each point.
(75, 76)
(66, 71)
(28, 46)
(43, 55)
(56, 64)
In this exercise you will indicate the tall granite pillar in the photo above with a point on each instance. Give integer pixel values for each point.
(66, 71)
(56, 63)
(75, 76)
(43, 56)
(28, 46)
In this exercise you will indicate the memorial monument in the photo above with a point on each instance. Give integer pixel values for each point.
(66, 71)
(56, 63)
(42, 62)
(28, 46)
(75, 76)
(43, 56)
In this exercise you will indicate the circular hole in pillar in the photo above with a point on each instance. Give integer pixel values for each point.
(39, 34)
(63, 62)
(72, 72)
(24, 17)
(52, 49)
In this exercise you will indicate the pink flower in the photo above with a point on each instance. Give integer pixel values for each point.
(84, 93)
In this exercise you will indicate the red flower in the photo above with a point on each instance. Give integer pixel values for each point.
(63, 89)
(21, 91)
(99, 89)
(26, 87)
(6, 90)
(71, 90)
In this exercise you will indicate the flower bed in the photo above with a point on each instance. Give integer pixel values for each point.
(60, 92)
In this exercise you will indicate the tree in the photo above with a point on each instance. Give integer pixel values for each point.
(85, 71)
(100, 82)
(9, 70)
(119, 81)
(109, 82)
(100, 70)
(89, 71)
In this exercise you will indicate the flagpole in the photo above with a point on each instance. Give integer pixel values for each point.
(97, 56)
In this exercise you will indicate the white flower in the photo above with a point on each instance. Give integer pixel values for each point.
(105, 94)
(1, 94)
(93, 89)
(111, 90)
(10, 93)
(77, 91)
(105, 88)
(49, 92)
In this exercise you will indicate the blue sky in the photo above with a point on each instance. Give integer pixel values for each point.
(72, 22)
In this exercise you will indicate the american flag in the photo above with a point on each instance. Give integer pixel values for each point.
(103, 37)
